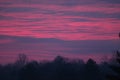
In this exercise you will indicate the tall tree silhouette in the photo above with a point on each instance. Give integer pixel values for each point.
(115, 68)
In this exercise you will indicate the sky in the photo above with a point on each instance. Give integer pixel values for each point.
(43, 29)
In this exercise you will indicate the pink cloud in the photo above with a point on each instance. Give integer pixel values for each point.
(63, 21)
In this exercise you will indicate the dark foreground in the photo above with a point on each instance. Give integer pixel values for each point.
(60, 69)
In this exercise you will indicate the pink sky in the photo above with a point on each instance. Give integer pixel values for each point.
(60, 19)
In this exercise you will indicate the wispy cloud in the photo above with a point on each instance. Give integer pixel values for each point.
(93, 23)
(44, 18)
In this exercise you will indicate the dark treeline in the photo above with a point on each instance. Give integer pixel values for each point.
(60, 69)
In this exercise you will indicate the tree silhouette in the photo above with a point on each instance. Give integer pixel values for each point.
(59, 69)
(115, 68)
(21, 60)
(92, 71)
(29, 71)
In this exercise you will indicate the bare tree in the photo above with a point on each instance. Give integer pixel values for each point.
(21, 60)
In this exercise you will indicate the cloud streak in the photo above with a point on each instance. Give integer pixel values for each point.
(70, 26)
(39, 18)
